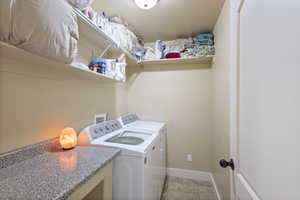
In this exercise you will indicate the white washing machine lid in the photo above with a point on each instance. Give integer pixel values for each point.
(133, 121)
(146, 125)
(128, 149)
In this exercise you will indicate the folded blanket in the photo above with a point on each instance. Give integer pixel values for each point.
(204, 39)
(204, 42)
(205, 36)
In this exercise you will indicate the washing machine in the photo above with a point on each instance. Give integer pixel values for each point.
(135, 169)
(132, 122)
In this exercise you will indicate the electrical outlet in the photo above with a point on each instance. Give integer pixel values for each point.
(100, 118)
(189, 157)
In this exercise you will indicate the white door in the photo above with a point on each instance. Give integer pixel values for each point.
(266, 102)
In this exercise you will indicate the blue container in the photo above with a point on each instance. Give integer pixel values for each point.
(100, 64)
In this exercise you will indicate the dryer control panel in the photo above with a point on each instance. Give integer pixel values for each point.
(127, 119)
(101, 129)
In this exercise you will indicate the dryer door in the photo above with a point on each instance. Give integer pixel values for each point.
(149, 183)
(156, 159)
(163, 155)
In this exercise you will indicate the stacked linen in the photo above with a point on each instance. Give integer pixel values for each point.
(99, 19)
(84, 6)
(174, 48)
(133, 42)
(115, 27)
(198, 51)
(204, 39)
(149, 54)
(81, 4)
(135, 45)
(127, 39)
(200, 45)
(179, 44)
(203, 46)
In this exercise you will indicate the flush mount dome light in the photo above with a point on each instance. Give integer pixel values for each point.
(146, 4)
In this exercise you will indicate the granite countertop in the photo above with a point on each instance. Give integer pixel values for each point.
(44, 171)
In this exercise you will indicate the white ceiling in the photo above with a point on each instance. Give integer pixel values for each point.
(169, 20)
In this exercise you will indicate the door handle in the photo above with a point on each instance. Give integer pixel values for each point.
(224, 163)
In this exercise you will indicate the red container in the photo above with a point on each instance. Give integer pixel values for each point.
(172, 55)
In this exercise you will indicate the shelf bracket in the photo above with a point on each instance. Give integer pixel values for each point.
(122, 57)
(105, 51)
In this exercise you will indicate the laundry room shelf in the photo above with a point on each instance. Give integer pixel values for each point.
(177, 61)
(92, 73)
(38, 65)
(97, 36)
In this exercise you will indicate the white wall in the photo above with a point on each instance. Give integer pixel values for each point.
(220, 98)
(181, 97)
(38, 98)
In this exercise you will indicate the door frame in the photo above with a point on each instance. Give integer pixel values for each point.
(236, 8)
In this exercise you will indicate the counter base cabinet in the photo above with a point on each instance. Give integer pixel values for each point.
(99, 187)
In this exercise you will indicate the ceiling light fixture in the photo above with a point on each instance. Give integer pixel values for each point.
(146, 4)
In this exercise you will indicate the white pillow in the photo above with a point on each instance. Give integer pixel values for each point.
(81, 4)
(5, 19)
(44, 27)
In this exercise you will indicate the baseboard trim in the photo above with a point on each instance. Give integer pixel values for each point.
(195, 175)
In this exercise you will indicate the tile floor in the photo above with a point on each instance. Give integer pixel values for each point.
(188, 189)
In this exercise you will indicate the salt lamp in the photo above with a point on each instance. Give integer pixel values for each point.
(68, 138)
